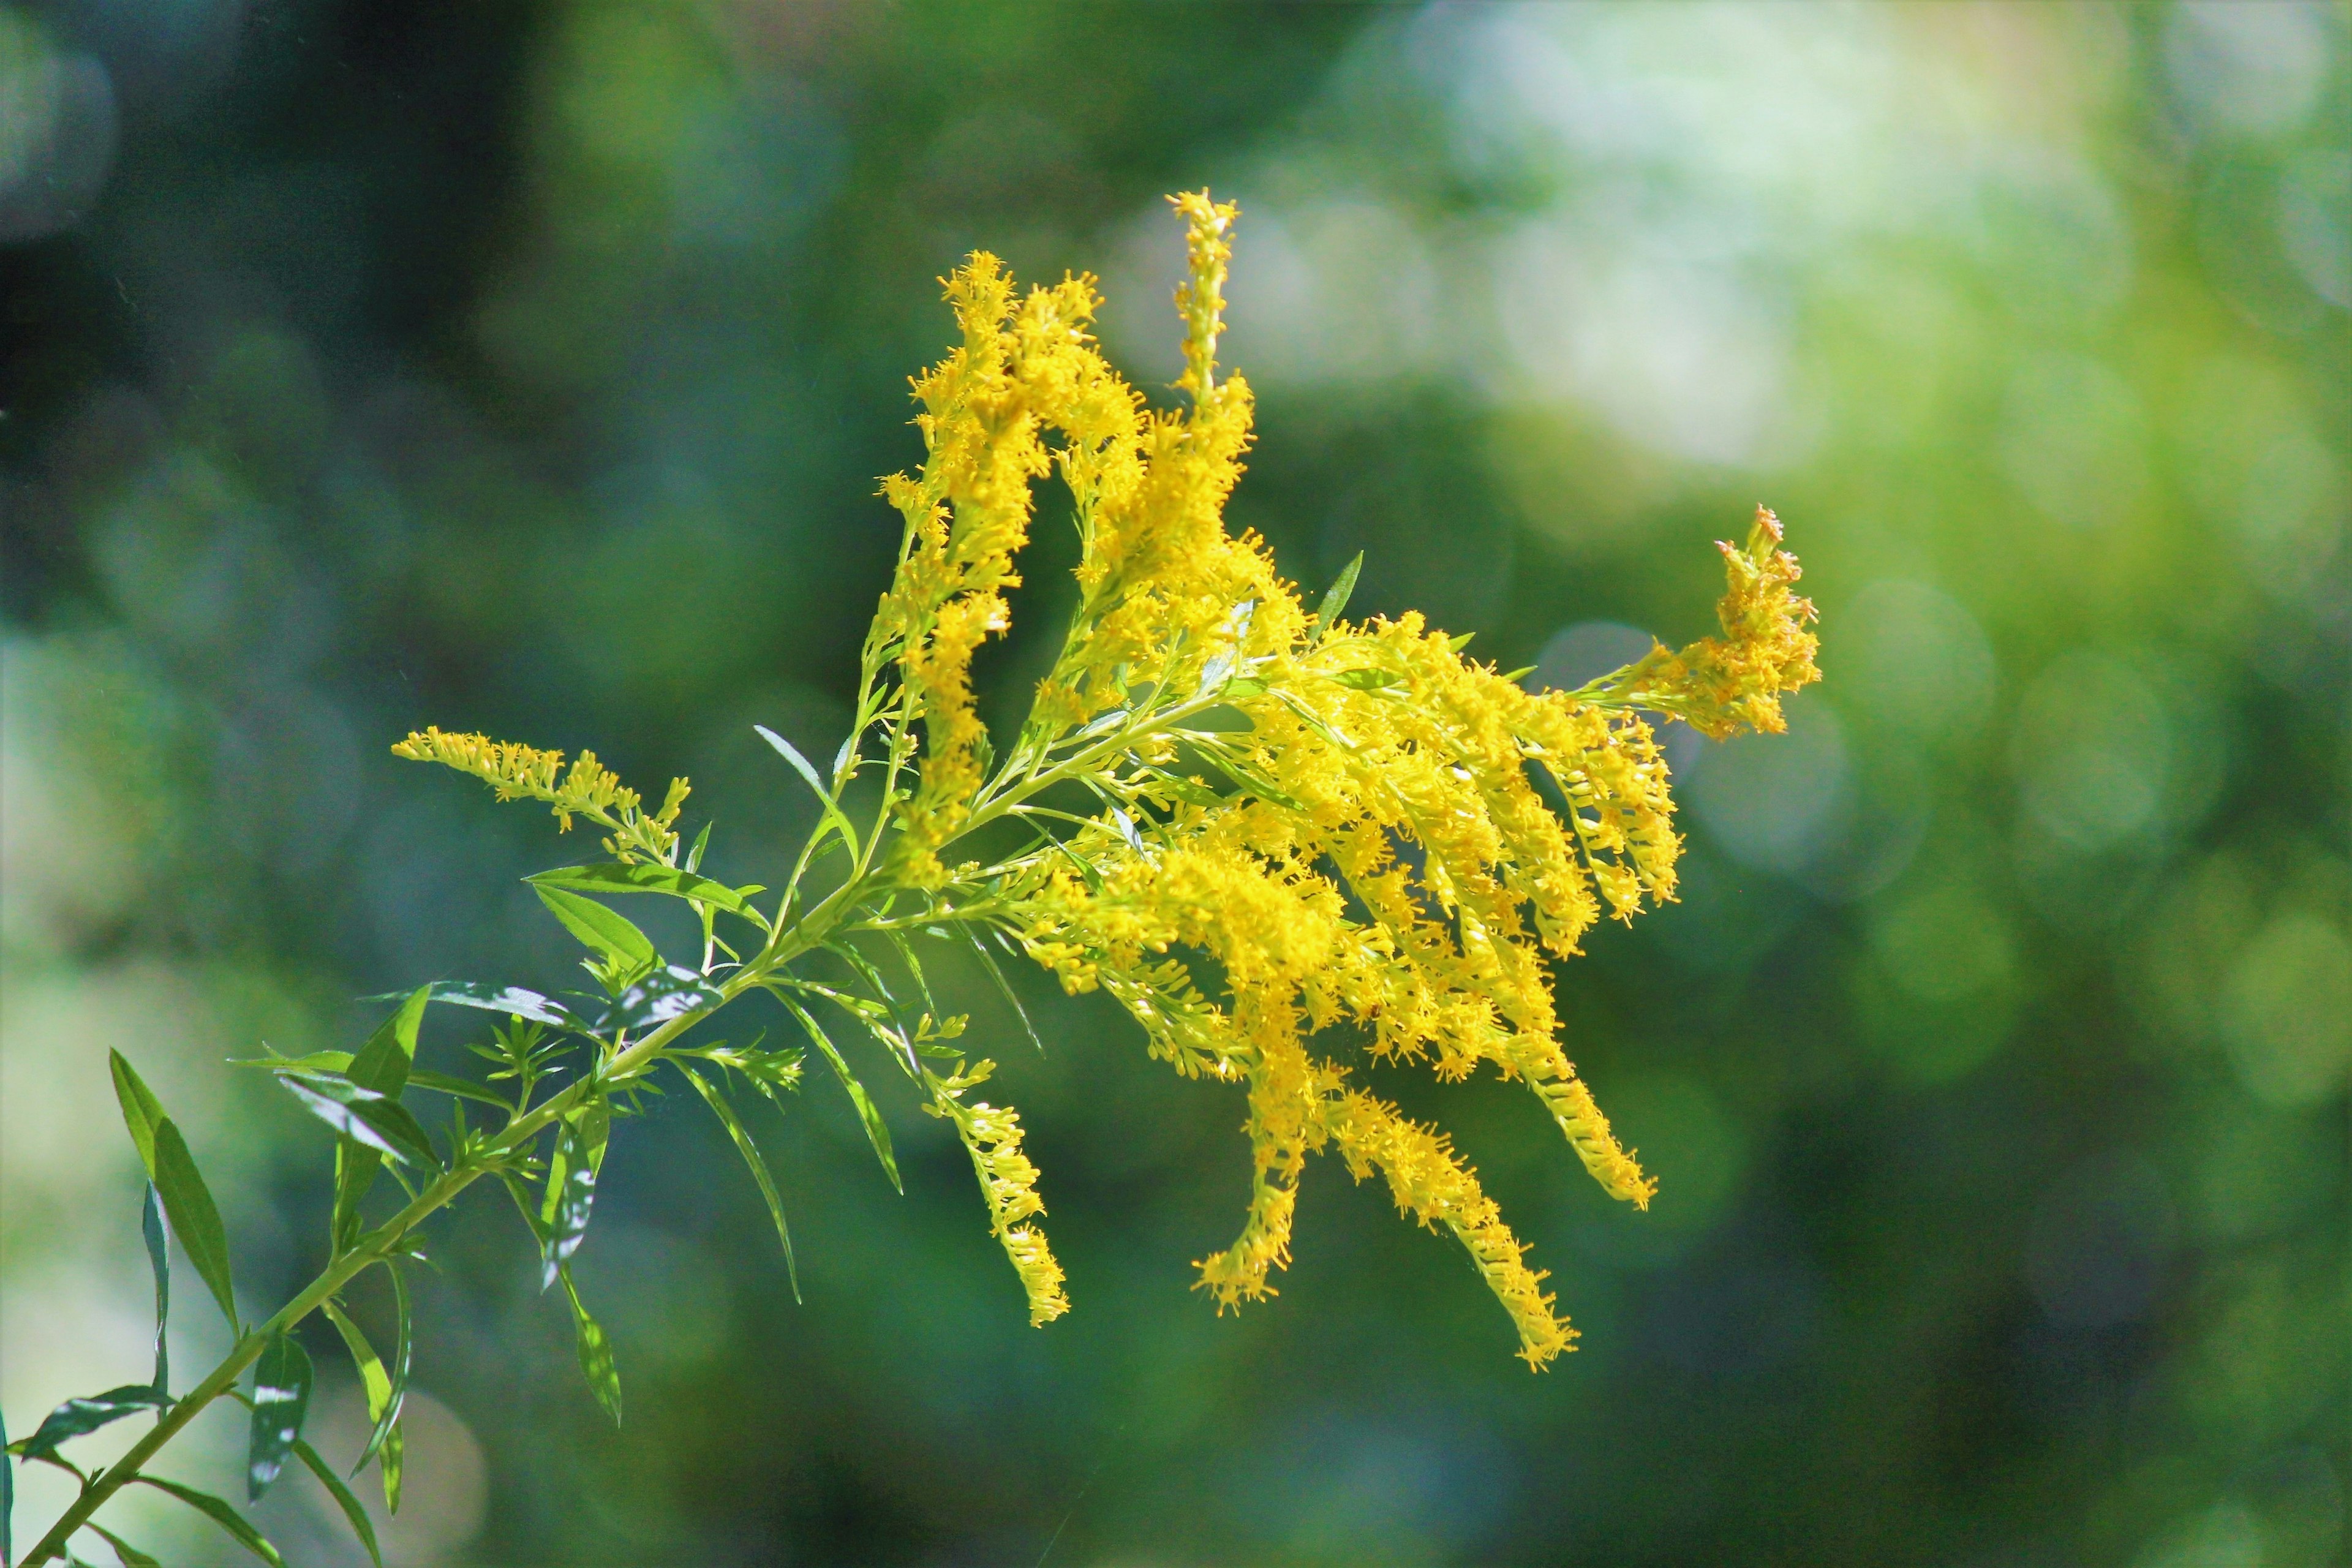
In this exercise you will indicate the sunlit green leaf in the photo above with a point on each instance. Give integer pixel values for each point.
(878, 1131)
(756, 1160)
(353, 1514)
(140, 1109)
(281, 1398)
(220, 1513)
(383, 1124)
(1004, 987)
(79, 1417)
(597, 1364)
(642, 879)
(833, 819)
(1335, 599)
(598, 929)
(195, 1218)
(571, 1198)
(383, 1062)
(1366, 679)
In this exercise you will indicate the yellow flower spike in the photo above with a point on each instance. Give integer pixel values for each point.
(1008, 1184)
(589, 789)
(1311, 838)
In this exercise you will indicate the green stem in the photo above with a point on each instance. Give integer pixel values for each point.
(378, 1243)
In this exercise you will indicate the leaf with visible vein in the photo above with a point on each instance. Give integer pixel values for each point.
(756, 1160)
(833, 819)
(597, 1364)
(644, 879)
(377, 1121)
(878, 1131)
(195, 1218)
(1004, 987)
(353, 1514)
(80, 1418)
(220, 1513)
(140, 1109)
(600, 930)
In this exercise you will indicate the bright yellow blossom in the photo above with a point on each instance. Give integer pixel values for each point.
(1275, 838)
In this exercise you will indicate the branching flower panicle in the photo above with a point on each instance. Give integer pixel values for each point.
(1296, 849)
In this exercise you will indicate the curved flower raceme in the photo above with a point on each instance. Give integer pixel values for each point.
(1291, 846)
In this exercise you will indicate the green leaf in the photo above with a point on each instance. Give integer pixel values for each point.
(759, 1165)
(159, 1261)
(833, 819)
(571, 1198)
(457, 1087)
(1004, 986)
(1366, 679)
(596, 1360)
(220, 1513)
(353, 1514)
(195, 1218)
(1515, 677)
(382, 1064)
(386, 1388)
(513, 1000)
(599, 929)
(356, 1169)
(375, 1381)
(1250, 780)
(129, 1556)
(383, 1124)
(281, 1397)
(642, 879)
(878, 1131)
(80, 1418)
(1335, 600)
(140, 1109)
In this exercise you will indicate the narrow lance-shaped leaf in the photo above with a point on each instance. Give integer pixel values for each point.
(642, 879)
(194, 1216)
(1334, 602)
(141, 1112)
(79, 1417)
(384, 1063)
(382, 1066)
(281, 1398)
(353, 1514)
(129, 1555)
(386, 1392)
(1004, 987)
(381, 1123)
(596, 1360)
(220, 1513)
(600, 930)
(159, 1262)
(571, 1197)
(878, 1131)
(760, 1174)
(833, 819)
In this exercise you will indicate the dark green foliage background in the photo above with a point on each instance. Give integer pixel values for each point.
(528, 368)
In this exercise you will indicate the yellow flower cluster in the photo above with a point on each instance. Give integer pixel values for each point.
(1368, 851)
(1720, 686)
(589, 789)
(992, 1136)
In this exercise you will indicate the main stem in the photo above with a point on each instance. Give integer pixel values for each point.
(379, 1243)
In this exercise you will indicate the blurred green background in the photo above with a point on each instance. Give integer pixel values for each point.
(527, 367)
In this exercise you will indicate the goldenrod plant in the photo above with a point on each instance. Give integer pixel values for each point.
(1292, 847)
